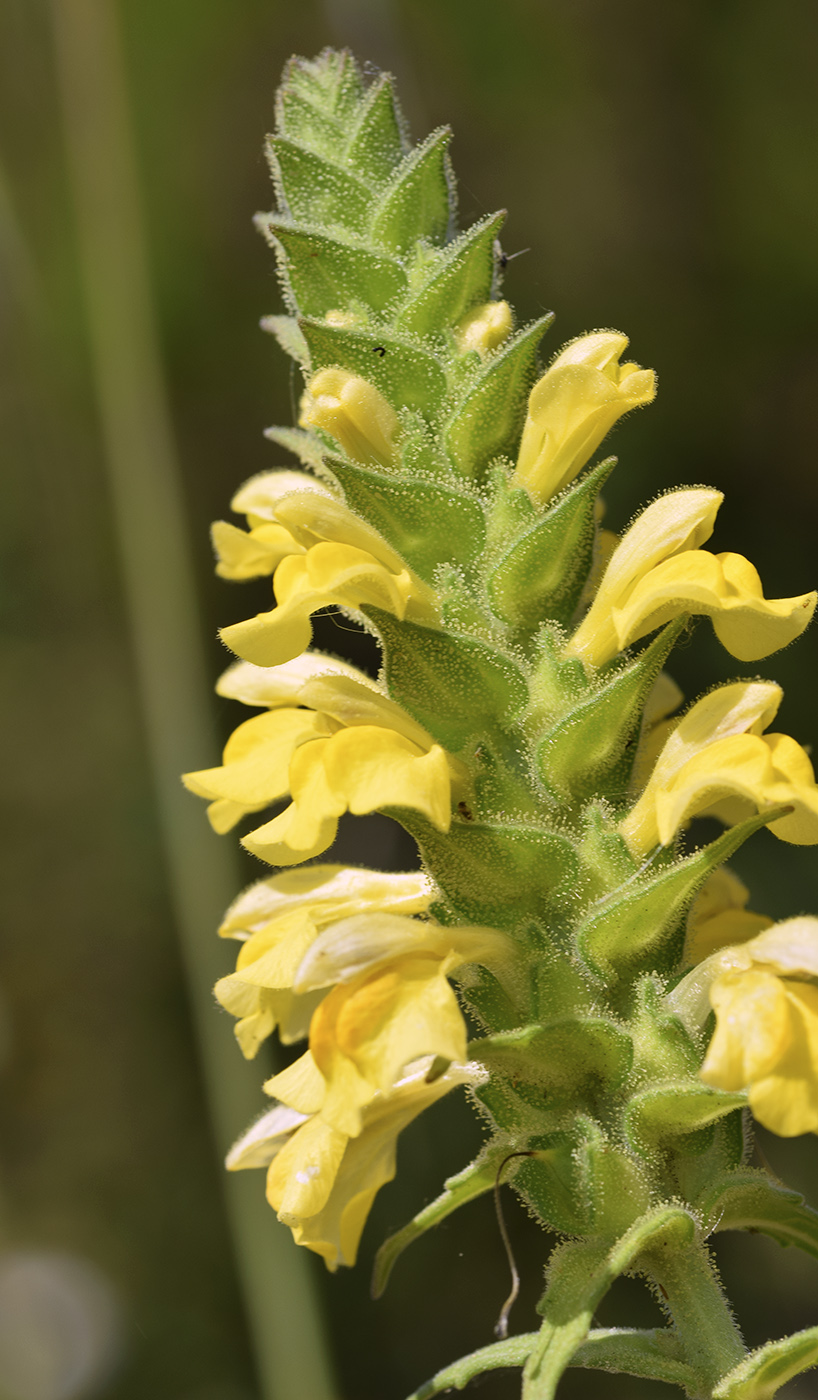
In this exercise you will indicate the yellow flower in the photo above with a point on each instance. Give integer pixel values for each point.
(255, 764)
(573, 407)
(331, 573)
(327, 892)
(366, 1030)
(391, 1003)
(279, 921)
(658, 572)
(766, 1041)
(731, 709)
(259, 550)
(382, 758)
(362, 941)
(338, 558)
(766, 1038)
(322, 1183)
(361, 769)
(272, 686)
(717, 763)
(352, 411)
(719, 917)
(387, 1040)
(243, 554)
(484, 328)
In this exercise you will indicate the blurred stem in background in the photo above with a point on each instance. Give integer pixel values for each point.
(287, 1331)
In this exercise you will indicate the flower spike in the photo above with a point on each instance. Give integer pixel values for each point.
(544, 773)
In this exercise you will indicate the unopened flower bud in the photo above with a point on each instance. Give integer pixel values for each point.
(573, 407)
(353, 411)
(484, 328)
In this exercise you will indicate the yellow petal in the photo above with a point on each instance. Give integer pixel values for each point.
(753, 773)
(675, 523)
(257, 756)
(366, 1031)
(253, 1029)
(241, 555)
(293, 836)
(368, 1163)
(351, 701)
(719, 919)
(224, 814)
(370, 768)
(790, 946)
(264, 1140)
(787, 947)
(301, 1085)
(272, 958)
(352, 946)
(786, 1101)
(283, 1011)
(302, 1175)
(729, 710)
(312, 519)
(724, 587)
(352, 411)
(573, 407)
(753, 1029)
(359, 770)
(327, 892)
(327, 574)
(273, 686)
(259, 496)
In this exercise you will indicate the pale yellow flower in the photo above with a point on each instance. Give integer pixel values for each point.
(330, 573)
(391, 1003)
(658, 572)
(361, 769)
(280, 921)
(743, 706)
(385, 1042)
(484, 328)
(255, 764)
(766, 1041)
(380, 758)
(272, 686)
(339, 559)
(327, 892)
(573, 407)
(243, 554)
(717, 762)
(352, 411)
(719, 917)
(365, 1031)
(322, 1183)
(766, 1037)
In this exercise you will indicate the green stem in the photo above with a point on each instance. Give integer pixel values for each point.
(140, 457)
(710, 1340)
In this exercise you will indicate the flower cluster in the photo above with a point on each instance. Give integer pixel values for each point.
(524, 731)
(386, 1035)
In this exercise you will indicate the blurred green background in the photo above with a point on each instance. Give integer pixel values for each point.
(659, 162)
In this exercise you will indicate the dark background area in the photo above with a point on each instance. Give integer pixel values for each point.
(659, 165)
